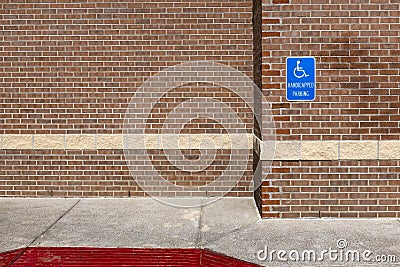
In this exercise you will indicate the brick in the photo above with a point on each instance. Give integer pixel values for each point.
(326, 150)
(45, 141)
(389, 150)
(63, 78)
(358, 150)
(15, 141)
(104, 141)
(73, 141)
(287, 150)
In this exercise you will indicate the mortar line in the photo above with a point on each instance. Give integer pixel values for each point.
(42, 233)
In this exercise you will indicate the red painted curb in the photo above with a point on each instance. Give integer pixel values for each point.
(117, 257)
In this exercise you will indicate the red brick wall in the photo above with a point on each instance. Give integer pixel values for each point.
(357, 46)
(101, 173)
(357, 50)
(61, 173)
(71, 68)
(333, 189)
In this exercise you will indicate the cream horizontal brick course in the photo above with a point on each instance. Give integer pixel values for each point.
(250, 141)
(226, 142)
(109, 141)
(151, 141)
(169, 141)
(134, 141)
(389, 150)
(287, 150)
(131, 141)
(141, 141)
(80, 141)
(319, 150)
(358, 150)
(205, 141)
(268, 150)
(49, 141)
(237, 141)
(17, 141)
(241, 141)
(284, 150)
(184, 141)
(174, 141)
(331, 150)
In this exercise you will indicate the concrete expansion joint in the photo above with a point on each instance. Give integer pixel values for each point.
(200, 226)
(228, 233)
(54, 223)
(36, 238)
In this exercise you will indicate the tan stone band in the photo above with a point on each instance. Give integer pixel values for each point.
(284, 150)
(333, 150)
(115, 141)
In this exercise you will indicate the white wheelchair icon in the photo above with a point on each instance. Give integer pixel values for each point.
(299, 72)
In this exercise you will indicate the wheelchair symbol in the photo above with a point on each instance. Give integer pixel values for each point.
(299, 72)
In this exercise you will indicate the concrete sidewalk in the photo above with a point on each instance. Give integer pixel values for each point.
(230, 226)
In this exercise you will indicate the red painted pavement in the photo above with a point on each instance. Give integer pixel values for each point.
(117, 257)
(7, 257)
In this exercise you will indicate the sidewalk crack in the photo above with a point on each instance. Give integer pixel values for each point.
(23, 250)
(200, 225)
(227, 233)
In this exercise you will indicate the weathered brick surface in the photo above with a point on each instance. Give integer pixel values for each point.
(65, 173)
(333, 189)
(104, 173)
(210, 117)
(71, 68)
(356, 46)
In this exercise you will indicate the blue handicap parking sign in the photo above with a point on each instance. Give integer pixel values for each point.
(300, 78)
